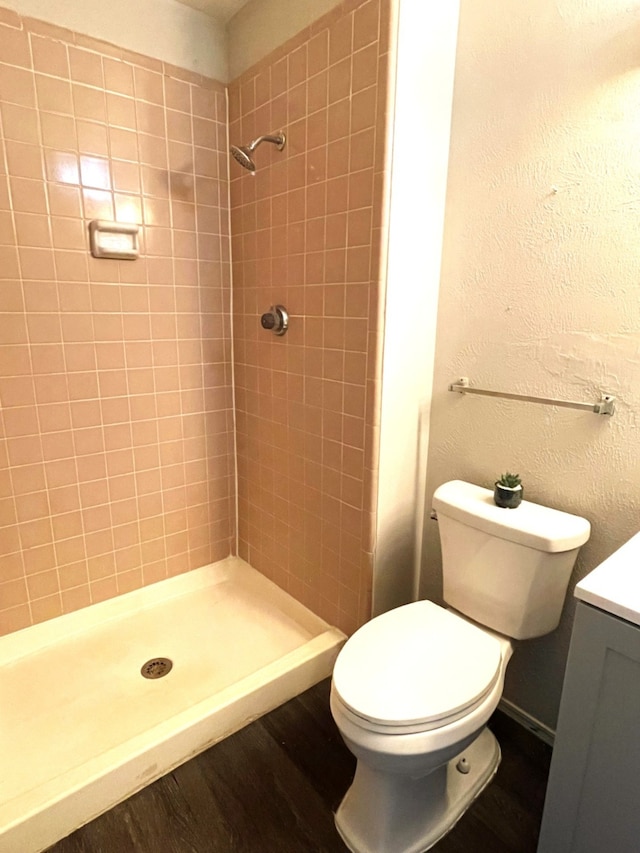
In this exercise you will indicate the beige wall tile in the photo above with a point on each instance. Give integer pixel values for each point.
(303, 233)
(87, 344)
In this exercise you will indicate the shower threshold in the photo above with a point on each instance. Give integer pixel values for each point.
(82, 729)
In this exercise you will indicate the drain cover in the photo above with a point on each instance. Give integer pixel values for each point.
(156, 667)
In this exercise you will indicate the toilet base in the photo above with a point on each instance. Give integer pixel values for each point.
(388, 813)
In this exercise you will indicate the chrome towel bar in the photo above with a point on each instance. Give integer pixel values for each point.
(606, 405)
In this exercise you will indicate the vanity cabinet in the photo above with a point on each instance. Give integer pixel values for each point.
(593, 796)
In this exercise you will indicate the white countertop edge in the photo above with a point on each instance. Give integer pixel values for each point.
(614, 585)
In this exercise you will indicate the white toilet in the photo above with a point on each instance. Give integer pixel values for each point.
(413, 689)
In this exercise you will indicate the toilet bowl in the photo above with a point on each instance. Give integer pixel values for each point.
(438, 680)
(413, 689)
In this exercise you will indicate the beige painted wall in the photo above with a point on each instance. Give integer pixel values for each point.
(181, 35)
(424, 46)
(541, 284)
(162, 29)
(262, 25)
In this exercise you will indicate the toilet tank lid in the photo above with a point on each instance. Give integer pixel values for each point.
(531, 524)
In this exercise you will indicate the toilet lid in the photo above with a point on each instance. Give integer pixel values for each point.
(416, 664)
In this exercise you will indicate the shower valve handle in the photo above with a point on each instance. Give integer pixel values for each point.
(276, 320)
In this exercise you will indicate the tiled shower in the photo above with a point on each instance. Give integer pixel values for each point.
(136, 394)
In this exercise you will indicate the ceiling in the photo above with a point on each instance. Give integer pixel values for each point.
(222, 10)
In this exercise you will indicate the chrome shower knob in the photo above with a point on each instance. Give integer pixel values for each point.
(275, 320)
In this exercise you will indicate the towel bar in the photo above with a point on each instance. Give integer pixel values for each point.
(606, 405)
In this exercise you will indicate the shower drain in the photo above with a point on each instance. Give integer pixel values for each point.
(156, 667)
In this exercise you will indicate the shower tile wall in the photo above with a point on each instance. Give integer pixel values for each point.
(116, 423)
(306, 233)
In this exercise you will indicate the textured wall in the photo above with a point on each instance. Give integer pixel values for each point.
(116, 426)
(306, 233)
(540, 278)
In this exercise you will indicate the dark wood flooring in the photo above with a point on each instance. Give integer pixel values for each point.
(273, 788)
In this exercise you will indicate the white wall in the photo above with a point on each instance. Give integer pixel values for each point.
(162, 29)
(540, 290)
(425, 58)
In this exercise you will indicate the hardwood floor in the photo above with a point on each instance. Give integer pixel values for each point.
(273, 788)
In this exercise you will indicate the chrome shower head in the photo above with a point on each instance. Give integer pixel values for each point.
(242, 153)
(243, 156)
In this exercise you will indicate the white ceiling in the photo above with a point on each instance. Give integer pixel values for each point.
(222, 10)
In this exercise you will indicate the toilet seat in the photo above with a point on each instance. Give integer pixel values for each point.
(415, 668)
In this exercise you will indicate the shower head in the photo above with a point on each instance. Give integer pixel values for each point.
(243, 156)
(243, 153)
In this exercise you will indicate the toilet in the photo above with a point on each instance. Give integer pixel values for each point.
(413, 689)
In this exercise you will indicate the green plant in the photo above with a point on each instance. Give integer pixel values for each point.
(511, 481)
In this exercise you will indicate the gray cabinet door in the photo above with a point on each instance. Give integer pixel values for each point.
(593, 796)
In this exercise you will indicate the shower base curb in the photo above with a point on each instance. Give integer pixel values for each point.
(40, 817)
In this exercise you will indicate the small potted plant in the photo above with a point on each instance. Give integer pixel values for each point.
(508, 491)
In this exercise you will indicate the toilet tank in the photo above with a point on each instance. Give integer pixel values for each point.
(507, 569)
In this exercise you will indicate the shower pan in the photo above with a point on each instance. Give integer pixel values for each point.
(83, 724)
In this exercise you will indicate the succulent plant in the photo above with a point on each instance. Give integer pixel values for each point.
(511, 481)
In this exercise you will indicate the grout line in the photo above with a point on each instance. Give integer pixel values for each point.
(232, 346)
